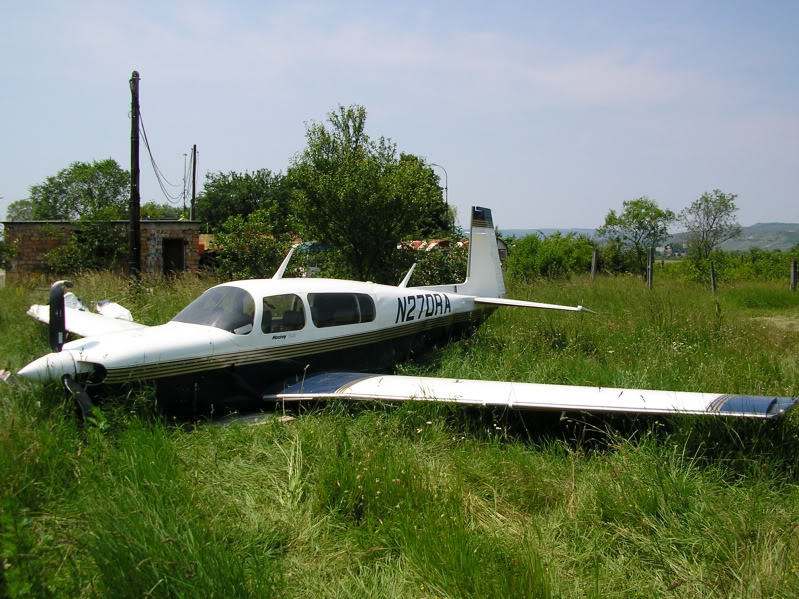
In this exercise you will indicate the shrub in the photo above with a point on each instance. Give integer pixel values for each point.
(754, 265)
(436, 267)
(8, 251)
(97, 244)
(248, 248)
(555, 256)
(617, 259)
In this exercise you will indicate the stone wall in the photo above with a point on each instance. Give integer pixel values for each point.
(153, 234)
(35, 238)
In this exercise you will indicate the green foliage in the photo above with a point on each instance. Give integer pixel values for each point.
(356, 195)
(8, 251)
(709, 221)
(617, 258)
(248, 246)
(20, 210)
(641, 225)
(754, 265)
(149, 542)
(440, 266)
(166, 211)
(82, 190)
(532, 256)
(97, 244)
(417, 500)
(239, 194)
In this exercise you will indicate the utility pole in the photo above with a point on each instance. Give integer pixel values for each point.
(185, 188)
(192, 215)
(134, 233)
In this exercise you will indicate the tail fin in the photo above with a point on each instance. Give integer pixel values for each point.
(484, 272)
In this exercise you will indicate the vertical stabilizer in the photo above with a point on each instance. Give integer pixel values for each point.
(484, 272)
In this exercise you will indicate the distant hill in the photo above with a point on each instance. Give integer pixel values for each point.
(766, 236)
(546, 232)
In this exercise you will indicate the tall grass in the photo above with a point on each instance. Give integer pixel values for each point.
(424, 501)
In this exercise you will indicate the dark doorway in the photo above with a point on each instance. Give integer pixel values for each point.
(174, 256)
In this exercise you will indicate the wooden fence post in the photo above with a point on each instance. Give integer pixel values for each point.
(594, 260)
(650, 268)
(712, 278)
(793, 275)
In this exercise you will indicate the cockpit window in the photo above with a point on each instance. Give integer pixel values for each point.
(228, 308)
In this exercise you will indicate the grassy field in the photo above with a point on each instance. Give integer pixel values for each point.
(375, 500)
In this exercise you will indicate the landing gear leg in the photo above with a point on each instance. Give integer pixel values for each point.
(78, 393)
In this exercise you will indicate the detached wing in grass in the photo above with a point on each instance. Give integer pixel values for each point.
(85, 324)
(357, 386)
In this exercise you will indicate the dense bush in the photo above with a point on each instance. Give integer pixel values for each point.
(436, 267)
(555, 256)
(615, 258)
(95, 245)
(754, 265)
(248, 249)
(440, 266)
(8, 252)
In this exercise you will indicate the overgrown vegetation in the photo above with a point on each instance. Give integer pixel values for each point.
(422, 501)
(8, 251)
(640, 226)
(362, 198)
(533, 257)
(96, 244)
(555, 256)
(248, 246)
(756, 264)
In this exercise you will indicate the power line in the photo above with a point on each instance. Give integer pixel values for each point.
(155, 166)
(159, 175)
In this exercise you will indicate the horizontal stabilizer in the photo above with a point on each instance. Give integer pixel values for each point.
(499, 301)
(85, 324)
(357, 386)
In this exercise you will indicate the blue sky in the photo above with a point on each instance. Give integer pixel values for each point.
(551, 113)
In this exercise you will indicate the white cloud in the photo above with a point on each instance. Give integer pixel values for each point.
(203, 43)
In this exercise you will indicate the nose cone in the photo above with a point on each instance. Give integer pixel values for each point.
(50, 367)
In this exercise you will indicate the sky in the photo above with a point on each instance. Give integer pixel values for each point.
(550, 113)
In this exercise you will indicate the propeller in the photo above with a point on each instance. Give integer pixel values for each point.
(58, 327)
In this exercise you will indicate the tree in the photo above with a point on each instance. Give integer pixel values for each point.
(228, 194)
(20, 210)
(248, 247)
(359, 197)
(641, 225)
(153, 210)
(710, 221)
(82, 190)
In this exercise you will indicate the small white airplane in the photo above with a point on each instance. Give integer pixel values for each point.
(295, 339)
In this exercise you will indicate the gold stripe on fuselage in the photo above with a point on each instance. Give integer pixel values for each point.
(270, 354)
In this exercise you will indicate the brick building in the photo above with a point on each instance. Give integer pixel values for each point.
(167, 246)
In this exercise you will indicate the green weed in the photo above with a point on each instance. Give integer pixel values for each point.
(377, 500)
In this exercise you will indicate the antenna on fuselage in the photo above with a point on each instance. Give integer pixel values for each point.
(407, 278)
(282, 269)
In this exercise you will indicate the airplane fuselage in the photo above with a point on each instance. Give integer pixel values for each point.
(262, 331)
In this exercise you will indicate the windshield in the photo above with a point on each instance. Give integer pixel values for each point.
(228, 308)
